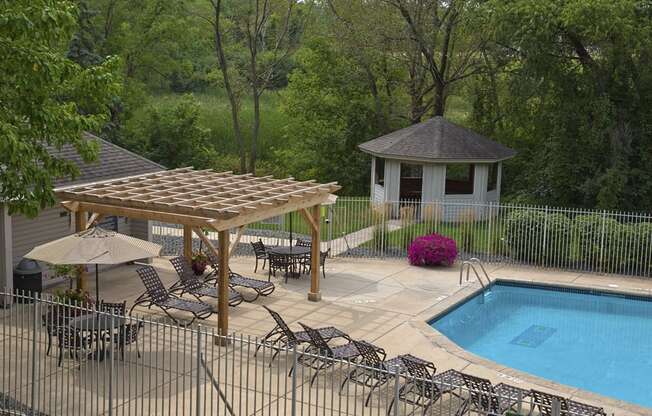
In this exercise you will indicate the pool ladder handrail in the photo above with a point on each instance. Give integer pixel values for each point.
(470, 265)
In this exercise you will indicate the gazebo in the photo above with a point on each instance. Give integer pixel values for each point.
(435, 160)
(203, 199)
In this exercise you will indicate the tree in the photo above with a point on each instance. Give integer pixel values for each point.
(449, 38)
(574, 97)
(262, 29)
(46, 100)
(330, 112)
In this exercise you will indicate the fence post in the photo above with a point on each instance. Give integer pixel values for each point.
(602, 235)
(198, 380)
(397, 389)
(489, 256)
(294, 380)
(111, 370)
(544, 245)
(34, 324)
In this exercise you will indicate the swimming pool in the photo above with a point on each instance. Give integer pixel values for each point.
(592, 340)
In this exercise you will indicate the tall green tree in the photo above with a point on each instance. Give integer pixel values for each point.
(575, 99)
(46, 100)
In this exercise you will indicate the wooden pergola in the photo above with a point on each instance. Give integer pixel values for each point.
(203, 199)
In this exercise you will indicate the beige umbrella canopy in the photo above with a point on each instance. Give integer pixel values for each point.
(94, 246)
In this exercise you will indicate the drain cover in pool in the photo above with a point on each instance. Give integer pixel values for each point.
(533, 336)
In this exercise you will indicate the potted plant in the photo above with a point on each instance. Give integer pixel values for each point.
(199, 263)
(75, 301)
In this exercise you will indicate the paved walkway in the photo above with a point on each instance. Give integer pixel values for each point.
(387, 302)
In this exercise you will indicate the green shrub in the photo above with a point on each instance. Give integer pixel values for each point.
(535, 236)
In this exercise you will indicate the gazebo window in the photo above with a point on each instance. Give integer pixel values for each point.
(459, 179)
(492, 180)
(380, 171)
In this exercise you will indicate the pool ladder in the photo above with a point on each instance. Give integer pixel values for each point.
(471, 264)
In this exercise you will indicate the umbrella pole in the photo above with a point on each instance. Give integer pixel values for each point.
(290, 230)
(97, 283)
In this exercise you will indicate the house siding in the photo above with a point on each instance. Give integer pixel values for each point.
(50, 224)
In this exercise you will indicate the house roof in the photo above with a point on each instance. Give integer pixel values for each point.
(112, 162)
(439, 140)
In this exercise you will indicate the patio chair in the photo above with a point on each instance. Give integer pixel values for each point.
(260, 251)
(282, 337)
(545, 402)
(374, 371)
(117, 308)
(52, 320)
(189, 283)
(319, 355)
(278, 262)
(156, 295)
(323, 255)
(303, 243)
(74, 341)
(127, 335)
(421, 388)
(261, 287)
(484, 397)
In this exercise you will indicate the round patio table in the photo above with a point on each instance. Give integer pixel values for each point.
(100, 323)
(292, 254)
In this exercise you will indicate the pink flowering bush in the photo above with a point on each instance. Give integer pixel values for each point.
(431, 250)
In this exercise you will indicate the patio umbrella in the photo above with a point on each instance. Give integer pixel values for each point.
(94, 246)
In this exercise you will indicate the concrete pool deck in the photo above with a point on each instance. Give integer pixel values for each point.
(388, 302)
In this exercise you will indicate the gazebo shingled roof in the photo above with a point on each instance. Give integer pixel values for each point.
(203, 199)
(437, 139)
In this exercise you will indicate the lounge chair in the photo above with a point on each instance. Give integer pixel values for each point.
(319, 355)
(421, 388)
(189, 283)
(283, 337)
(156, 295)
(260, 251)
(485, 398)
(261, 287)
(373, 371)
(545, 402)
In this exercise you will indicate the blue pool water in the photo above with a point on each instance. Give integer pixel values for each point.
(592, 340)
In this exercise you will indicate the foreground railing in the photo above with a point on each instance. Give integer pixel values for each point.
(170, 370)
(572, 239)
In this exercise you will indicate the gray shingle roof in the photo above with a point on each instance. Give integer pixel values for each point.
(437, 139)
(112, 162)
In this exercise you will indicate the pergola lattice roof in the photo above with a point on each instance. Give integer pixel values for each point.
(222, 199)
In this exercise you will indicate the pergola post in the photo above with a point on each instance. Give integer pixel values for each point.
(187, 242)
(223, 285)
(315, 245)
(81, 219)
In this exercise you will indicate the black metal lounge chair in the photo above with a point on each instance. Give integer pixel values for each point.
(156, 295)
(486, 398)
(319, 355)
(283, 337)
(261, 287)
(189, 283)
(260, 251)
(545, 403)
(374, 371)
(421, 389)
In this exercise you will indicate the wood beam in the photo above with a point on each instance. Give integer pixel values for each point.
(315, 245)
(137, 213)
(223, 287)
(94, 219)
(81, 218)
(262, 214)
(187, 242)
(235, 242)
(205, 240)
(308, 217)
